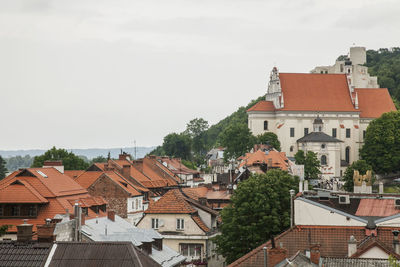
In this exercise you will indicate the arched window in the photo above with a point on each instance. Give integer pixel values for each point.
(323, 160)
(291, 149)
(265, 125)
(347, 154)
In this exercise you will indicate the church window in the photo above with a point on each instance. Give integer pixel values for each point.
(323, 160)
(291, 132)
(265, 125)
(305, 131)
(322, 71)
(334, 132)
(348, 133)
(348, 70)
(347, 154)
(323, 146)
(364, 132)
(291, 149)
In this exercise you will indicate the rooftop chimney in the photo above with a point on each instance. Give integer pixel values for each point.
(396, 244)
(315, 254)
(45, 232)
(111, 215)
(352, 246)
(24, 232)
(275, 255)
(380, 187)
(56, 164)
(146, 247)
(126, 171)
(158, 243)
(122, 156)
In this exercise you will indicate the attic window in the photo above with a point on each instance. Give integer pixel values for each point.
(124, 184)
(42, 174)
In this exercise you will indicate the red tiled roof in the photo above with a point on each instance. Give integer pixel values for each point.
(376, 207)
(20, 192)
(176, 167)
(171, 202)
(333, 241)
(123, 183)
(200, 223)
(315, 92)
(263, 106)
(73, 173)
(87, 178)
(374, 102)
(278, 159)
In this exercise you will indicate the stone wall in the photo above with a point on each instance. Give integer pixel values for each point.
(112, 193)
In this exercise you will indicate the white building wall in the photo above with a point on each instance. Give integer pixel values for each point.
(375, 253)
(309, 214)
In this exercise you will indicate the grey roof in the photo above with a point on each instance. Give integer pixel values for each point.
(23, 254)
(357, 262)
(298, 260)
(318, 137)
(121, 230)
(99, 254)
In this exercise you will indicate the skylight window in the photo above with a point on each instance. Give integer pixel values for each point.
(42, 174)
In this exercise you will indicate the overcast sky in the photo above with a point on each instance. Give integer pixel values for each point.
(85, 74)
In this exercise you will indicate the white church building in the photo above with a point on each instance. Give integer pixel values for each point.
(343, 97)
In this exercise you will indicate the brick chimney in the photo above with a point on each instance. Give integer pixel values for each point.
(45, 232)
(122, 156)
(56, 164)
(203, 201)
(275, 255)
(158, 243)
(83, 218)
(111, 215)
(24, 232)
(315, 254)
(146, 247)
(126, 171)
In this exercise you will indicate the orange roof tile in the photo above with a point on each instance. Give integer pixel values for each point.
(278, 159)
(200, 223)
(123, 183)
(87, 178)
(315, 92)
(376, 207)
(20, 192)
(263, 106)
(171, 202)
(374, 102)
(73, 173)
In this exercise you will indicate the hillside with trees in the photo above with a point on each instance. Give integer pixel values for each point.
(383, 63)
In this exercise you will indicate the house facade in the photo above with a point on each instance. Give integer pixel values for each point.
(186, 225)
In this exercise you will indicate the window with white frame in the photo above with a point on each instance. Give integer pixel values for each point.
(137, 203)
(180, 224)
(191, 250)
(154, 223)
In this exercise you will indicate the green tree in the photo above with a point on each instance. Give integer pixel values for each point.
(310, 162)
(196, 130)
(99, 159)
(69, 159)
(260, 208)
(3, 229)
(177, 145)
(360, 165)
(17, 162)
(270, 139)
(381, 147)
(3, 169)
(237, 139)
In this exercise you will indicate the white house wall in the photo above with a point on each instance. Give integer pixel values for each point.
(310, 214)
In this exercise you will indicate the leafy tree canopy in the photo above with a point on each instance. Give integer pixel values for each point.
(310, 162)
(360, 165)
(270, 139)
(3, 169)
(69, 159)
(382, 143)
(260, 208)
(17, 162)
(99, 159)
(237, 139)
(177, 145)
